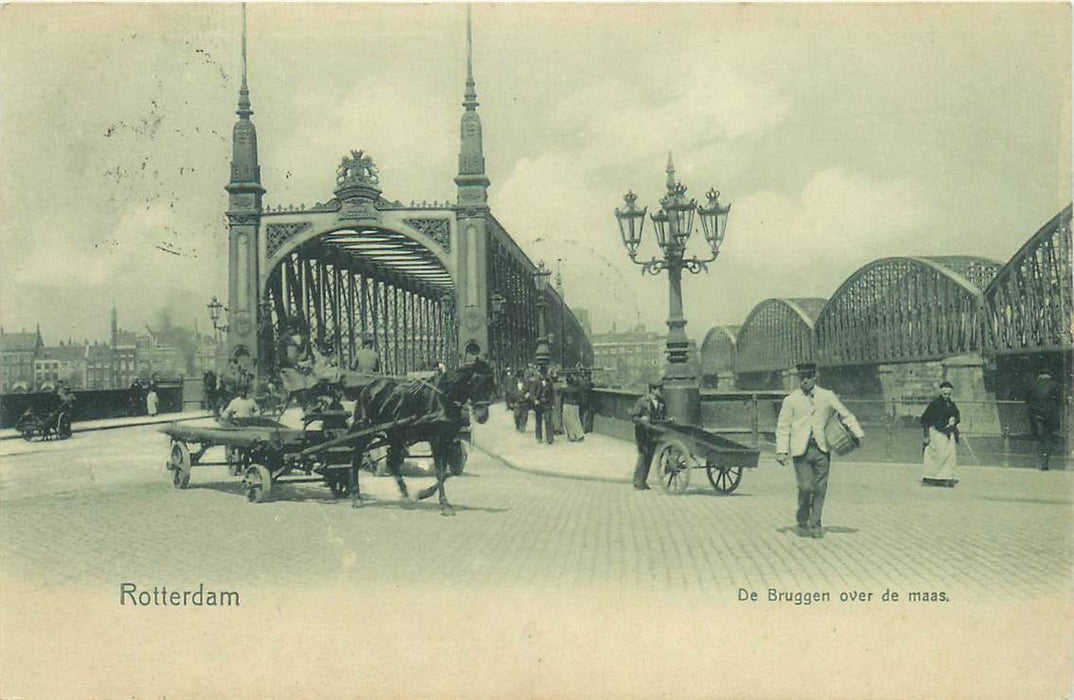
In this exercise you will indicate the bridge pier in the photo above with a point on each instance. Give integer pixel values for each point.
(976, 402)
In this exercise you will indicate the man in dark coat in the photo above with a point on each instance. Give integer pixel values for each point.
(648, 409)
(1044, 408)
(544, 402)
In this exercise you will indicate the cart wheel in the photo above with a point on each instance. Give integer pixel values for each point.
(673, 466)
(179, 464)
(458, 460)
(724, 479)
(26, 430)
(63, 426)
(258, 483)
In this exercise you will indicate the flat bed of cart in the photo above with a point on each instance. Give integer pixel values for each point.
(682, 447)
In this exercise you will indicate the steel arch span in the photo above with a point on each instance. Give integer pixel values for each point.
(905, 309)
(776, 335)
(1029, 303)
(427, 283)
(718, 351)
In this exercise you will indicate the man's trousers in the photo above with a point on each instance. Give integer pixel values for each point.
(811, 470)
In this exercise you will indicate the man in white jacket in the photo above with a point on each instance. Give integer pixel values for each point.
(800, 433)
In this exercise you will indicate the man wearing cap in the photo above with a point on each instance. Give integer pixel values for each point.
(1044, 404)
(648, 409)
(800, 433)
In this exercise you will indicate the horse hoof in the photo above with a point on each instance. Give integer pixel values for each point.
(425, 493)
(447, 511)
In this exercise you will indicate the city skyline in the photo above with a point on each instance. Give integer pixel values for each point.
(839, 134)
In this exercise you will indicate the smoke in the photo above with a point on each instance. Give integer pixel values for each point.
(167, 332)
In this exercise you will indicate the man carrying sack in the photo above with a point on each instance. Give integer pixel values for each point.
(801, 433)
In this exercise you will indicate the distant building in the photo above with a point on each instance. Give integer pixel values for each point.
(60, 363)
(631, 358)
(158, 360)
(98, 366)
(17, 354)
(124, 348)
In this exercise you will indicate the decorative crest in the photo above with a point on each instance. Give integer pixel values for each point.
(358, 169)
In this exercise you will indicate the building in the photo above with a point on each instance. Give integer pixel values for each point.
(60, 363)
(631, 358)
(155, 359)
(17, 354)
(98, 366)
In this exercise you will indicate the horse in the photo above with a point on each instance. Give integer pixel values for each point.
(425, 411)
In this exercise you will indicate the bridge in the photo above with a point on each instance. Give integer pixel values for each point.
(898, 325)
(427, 283)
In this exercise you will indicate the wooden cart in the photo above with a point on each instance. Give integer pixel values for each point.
(681, 448)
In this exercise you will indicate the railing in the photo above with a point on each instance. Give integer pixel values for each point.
(993, 432)
(91, 404)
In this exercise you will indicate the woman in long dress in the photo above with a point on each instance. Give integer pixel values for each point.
(940, 423)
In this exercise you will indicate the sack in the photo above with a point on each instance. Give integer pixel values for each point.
(840, 440)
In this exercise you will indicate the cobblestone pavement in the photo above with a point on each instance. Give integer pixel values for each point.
(572, 556)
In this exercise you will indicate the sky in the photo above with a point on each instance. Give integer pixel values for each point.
(840, 134)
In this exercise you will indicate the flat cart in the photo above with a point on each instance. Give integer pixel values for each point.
(681, 448)
(263, 452)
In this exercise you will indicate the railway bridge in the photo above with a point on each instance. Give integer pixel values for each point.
(897, 326)
(425, 282)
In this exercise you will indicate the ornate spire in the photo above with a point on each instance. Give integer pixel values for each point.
(244, 110)
(671, 173)
(244, 162)
(471, 182)
(470, 96)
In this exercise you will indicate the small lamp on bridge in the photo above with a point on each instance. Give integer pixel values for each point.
(215, 307)
(540, 280)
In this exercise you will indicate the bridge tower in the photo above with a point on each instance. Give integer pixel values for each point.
(472, 213)
(244, 215)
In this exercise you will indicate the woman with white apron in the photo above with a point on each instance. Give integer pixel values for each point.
(940, 423)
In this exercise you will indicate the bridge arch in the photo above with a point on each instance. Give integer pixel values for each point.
(1030, 302)
(905, 309)
(777, 334)
(718, 353)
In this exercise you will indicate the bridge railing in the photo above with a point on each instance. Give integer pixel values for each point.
(91, 404)
(993, 432)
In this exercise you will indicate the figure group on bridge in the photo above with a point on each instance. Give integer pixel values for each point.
(561, 401)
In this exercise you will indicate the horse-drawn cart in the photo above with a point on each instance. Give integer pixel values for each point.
(334, 444)
(263, 451)
(681, 448)
(45, 425)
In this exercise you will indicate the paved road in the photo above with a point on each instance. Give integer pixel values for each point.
(575, 561)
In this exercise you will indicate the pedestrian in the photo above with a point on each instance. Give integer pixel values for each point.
(242, 406)
(1044, 409)
(366, 360)
(509, 389)
(152, 401)
(572, 421)
(521, 408)
(544, 401)
(940, 424)
(800, 435)
(649, 409)
(585, 400)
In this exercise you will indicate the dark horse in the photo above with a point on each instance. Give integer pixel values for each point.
(430, 411)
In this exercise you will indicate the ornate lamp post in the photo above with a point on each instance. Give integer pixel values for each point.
(540, 280)
(215, 307)
(674, 225)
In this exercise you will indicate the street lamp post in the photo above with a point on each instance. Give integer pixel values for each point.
(540, 280)
(215, 307)
(674, 225)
